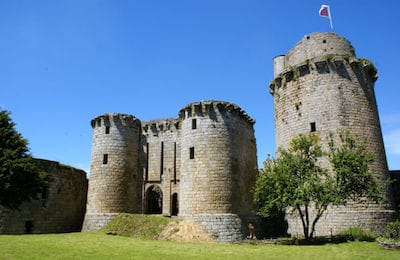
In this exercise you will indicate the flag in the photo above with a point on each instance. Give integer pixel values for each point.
(325, 11)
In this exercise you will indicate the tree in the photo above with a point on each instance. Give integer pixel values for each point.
(20, 177)
(296, 180)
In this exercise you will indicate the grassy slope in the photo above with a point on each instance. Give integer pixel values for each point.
(137, 225)
(101, 246)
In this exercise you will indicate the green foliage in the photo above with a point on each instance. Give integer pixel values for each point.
(358, 234)
(296, 180)
(20, 178)
(350, 162)
(137, 225)
(392, 230)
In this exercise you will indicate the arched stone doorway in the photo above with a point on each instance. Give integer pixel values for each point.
(175, 205)
(154, 200)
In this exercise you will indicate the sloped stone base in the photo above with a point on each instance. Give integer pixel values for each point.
(94, 222)
(224, 228)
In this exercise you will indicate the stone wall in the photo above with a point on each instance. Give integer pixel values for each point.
(321, 87)
(161, 164)
(60, 208)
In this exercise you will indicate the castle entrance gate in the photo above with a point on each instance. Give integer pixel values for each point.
(154, 200)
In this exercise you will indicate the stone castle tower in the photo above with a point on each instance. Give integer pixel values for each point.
(320, 86)
(114, 180)
(200, 166)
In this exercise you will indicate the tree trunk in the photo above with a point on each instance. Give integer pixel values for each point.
(303, 221)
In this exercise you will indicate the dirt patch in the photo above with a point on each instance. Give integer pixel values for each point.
(185, 231)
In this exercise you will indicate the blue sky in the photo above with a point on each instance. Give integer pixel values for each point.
(64, 62)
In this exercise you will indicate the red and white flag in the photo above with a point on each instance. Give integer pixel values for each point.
(325, 11)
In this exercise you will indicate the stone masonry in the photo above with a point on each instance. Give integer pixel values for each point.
(319, 87)
(59, 208)
(201, 166)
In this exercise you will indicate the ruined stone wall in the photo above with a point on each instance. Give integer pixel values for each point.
(218, 165)
(60, 208)
(161, 159)
(115, 180)
(321, 87)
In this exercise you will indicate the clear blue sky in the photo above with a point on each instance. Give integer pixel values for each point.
(64, 62)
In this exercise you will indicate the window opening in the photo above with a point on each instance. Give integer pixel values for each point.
(313, 127)
(107, 130)
(194, 123)
(191, 152)
(105, 158)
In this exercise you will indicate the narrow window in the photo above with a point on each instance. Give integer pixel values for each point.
(162, 160)
(175, 163)
(194, 123)
(107, 130)
(191, 151)
(105, 158)
(147, 162)
(313, 127)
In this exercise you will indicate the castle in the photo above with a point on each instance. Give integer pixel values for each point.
(202, 165)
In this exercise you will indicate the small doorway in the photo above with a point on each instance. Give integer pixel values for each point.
(154, 197)
(175, 207)
(28, 227)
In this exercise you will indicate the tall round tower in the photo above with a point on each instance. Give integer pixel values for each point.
(320, 86)
(114, 183)
(218, 167)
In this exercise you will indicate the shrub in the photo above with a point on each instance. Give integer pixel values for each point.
(358, 234)
(392, 230)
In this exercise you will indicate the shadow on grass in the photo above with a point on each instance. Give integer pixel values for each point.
(300, 241)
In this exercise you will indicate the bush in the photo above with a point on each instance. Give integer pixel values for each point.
(358, 234)
(392, 230)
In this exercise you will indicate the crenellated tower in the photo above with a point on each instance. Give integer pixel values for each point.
(319, 87)
(218, 166)
(115, 182)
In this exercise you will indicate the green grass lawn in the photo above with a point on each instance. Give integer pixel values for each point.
(100, 246)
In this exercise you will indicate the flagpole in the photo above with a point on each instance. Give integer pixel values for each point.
(330, 18)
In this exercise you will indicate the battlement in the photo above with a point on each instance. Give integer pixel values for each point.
(210, 107)
(161, 125)
(341, 64)
(123, 119)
